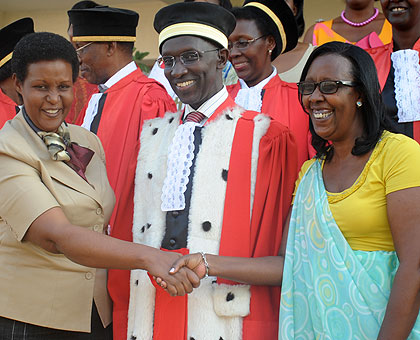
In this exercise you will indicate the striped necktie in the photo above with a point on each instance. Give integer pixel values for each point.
(195, 117)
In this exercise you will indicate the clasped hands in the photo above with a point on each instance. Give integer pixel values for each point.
(178, 274)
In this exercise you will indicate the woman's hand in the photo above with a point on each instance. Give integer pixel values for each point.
(190, 262)
(178, 283)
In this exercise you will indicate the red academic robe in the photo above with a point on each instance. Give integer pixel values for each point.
(7, 109)
(260, 235)
(276, 174)
(130, 102)
(82, 91)
(280, 102)
(382, 58)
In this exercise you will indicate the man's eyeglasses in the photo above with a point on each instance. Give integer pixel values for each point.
(242, 44)
(80, 49)
(187, 58)
(325, 87)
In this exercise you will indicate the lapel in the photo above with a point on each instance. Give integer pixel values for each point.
(57, 170)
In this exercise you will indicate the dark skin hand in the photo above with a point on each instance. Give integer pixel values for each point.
(266, 270)
(53, 232)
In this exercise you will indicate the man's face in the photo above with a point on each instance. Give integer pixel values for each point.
(197, 82)
(93, 61)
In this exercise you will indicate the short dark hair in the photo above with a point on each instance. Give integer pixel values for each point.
(43, 46)
(300, 21)
(363, 71)
(6, 71)
(126, 47)
(224, 3)
(265, 27)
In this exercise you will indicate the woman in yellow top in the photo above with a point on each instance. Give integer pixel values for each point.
(351, 264)
(360, 23)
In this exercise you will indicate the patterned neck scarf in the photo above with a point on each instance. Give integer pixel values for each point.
(57, 142)
(61, 148)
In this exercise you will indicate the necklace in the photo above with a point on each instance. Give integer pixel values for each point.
(359, 24)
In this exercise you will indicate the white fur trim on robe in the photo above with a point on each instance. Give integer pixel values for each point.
(208, 190)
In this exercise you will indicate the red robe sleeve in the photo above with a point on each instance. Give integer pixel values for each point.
(276, 174)
(7, 108)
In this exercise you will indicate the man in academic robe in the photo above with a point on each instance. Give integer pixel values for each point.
(218, 179)
(82, 89)
(9, 37)
(104, 38)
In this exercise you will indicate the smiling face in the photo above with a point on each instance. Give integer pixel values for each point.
(402, 14)
(252, 64)
(196, 83)
(47, 93)
(334, 116)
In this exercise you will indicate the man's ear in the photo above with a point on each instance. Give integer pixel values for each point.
(111, 48)
(223, 58)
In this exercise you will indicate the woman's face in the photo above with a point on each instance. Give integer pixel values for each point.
(47, 93)
(402, 14)
(252, 64)
(334, 116)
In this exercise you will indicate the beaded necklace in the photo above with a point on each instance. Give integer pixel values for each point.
(359, 24)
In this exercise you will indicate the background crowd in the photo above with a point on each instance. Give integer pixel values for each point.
(253, 186)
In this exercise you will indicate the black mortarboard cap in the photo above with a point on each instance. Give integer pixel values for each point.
(103, 23)
(278, 14)
(200, 19)
(10, 36)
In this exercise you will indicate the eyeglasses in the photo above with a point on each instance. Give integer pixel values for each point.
(80, 49)
(326, 86)
(242, 44)
(187, 58)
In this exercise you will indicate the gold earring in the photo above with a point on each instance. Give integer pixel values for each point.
(270, 51)
(359, 104)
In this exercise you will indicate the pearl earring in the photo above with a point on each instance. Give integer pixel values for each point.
(359, 104)
(270, 51)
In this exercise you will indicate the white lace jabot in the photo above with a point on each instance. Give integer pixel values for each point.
(181, 155)
(250, 97)
(407, 84)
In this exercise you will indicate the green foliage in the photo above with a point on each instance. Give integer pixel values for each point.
(138, 57)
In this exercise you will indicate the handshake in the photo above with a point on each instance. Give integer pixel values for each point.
(178, 274)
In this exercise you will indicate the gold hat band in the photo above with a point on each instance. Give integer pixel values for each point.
(98, 38)
(6, 59)
(276, 20)
(193, 28)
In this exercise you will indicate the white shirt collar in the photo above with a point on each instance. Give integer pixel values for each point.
(261, 84)
(209, 106)
(125, 71)
(250, 97)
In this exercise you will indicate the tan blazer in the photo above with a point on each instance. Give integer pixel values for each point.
(36, 286)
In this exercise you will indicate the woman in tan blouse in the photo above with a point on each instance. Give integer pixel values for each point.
(55, 202)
